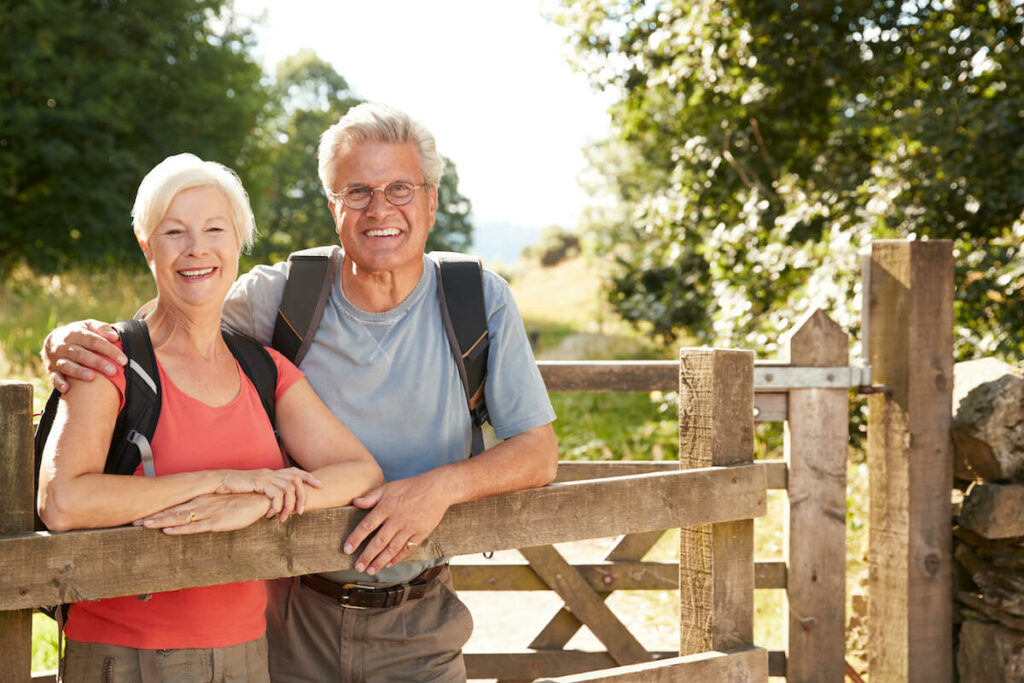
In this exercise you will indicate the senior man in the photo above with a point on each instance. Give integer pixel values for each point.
(381, 361)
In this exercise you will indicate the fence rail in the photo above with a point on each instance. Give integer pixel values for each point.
(723, 490)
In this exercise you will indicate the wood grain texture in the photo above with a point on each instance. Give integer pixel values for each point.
(41, 569)
(603, 577)
(816, 442)
(17, 456)
(585, 604)
(716, 561)
(633, 547)
(910, 322)
(530, 665)
(623, 567)
(775, 470)
(742, 666)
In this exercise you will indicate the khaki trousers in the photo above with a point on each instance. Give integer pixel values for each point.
(312, 639)
(103, 663)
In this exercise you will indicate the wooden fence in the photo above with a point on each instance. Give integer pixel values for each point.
(722, 492)
(808, 389)
(907, 329)
(713, 493)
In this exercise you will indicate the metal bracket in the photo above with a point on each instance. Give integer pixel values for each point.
(786, 377)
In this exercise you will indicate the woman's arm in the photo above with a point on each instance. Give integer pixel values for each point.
(320, 443)
(75, 494)
(315, 439)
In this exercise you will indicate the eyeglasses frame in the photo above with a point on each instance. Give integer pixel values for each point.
(340, 196)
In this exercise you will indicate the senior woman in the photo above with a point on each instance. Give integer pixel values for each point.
(217, 461)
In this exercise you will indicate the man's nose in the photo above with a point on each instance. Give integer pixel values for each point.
(378, 203)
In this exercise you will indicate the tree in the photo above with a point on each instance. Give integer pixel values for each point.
(759, 144)
(287, 198)
(288, 202)
(95, 93)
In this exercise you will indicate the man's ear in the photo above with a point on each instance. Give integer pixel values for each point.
(433, 204)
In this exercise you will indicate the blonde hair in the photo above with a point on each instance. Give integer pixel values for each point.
(371, 122)
(183, 172)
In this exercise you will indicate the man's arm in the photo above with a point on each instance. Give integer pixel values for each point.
(79, 350)
(404, 512)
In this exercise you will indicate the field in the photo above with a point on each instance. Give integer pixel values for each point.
(566, 316)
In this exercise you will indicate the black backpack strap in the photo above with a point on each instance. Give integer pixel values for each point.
(298, 316)
(460, 291)
(136, 423)
(258, 366)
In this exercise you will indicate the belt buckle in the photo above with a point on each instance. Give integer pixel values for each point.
(347, 587)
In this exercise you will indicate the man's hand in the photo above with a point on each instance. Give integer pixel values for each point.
(213, 512)
(404, 513)
(78, 349)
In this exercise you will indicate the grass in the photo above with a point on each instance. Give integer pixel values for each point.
(31, 305)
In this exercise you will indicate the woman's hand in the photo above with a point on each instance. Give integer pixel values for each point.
(215, 512)
(285, 487)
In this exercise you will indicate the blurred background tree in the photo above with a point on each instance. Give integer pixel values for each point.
(758, 145)
(95, 94)
(95, 99)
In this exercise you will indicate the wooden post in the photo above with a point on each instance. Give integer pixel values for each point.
(817, 437)
(716, 562)
(16, 507)
(910, 314)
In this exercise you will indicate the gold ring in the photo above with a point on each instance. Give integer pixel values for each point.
(191, 516)
(409, 545)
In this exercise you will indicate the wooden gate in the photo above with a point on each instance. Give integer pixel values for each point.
(716, 497)
(808, 389)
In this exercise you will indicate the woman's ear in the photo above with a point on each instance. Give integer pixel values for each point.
(145, 249)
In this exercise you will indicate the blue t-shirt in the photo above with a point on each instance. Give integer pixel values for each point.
(391, 377)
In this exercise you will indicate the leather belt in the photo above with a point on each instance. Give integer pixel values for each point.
(371, 596)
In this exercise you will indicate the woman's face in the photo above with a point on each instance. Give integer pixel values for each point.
(193, 252)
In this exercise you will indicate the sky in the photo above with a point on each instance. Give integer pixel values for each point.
(489, 79)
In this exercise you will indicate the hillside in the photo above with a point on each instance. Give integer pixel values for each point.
(565, 308)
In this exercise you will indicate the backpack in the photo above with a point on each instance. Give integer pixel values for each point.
(136, 423)
(460, 291)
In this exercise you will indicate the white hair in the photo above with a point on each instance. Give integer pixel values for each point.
(371, 122)
(182, 172)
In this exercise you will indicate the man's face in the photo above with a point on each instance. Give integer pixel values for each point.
(382, 236)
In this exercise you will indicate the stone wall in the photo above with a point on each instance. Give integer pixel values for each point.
(988, 442)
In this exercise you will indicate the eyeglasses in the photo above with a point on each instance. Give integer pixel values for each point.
(357, 197)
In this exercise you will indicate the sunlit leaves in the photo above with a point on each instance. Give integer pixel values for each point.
(770, 141)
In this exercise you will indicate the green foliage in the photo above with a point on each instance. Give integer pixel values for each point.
(288, 201)
(616, 426)
(32, 304)
(96, 93)
(452, 229)
(44, 643)
(95, 99)
(759, 145)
